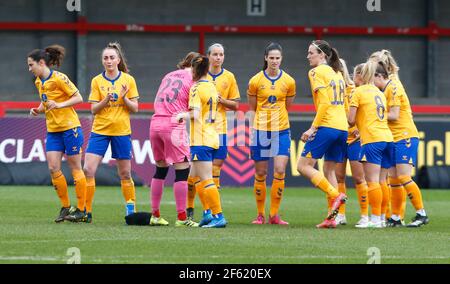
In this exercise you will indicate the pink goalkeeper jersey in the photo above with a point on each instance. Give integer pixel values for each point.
(171, 99)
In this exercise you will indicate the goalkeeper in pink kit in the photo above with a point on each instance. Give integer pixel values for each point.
(169, 141)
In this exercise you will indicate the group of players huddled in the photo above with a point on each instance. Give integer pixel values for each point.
(366, 119)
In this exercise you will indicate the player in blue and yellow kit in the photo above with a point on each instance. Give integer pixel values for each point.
(204, 140)
(113, 97)
(270, 93)
(229, 96)
(64, 136)
(328, 133)
(368, 112)
(406, 141)
(352, 154)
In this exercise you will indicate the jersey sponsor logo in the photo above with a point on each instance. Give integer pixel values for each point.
(224, 85)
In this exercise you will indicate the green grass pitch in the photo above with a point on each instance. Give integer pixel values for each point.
(29, 235)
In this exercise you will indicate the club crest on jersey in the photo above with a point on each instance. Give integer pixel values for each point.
(44, 97)
(272, 99)
(115, 97)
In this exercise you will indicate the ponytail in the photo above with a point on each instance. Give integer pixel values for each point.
(334, 61)
(123, 62)
(345, 73)
(389, 61)
(52, 55)
(187, 60)
(331, 54)
(200, 67)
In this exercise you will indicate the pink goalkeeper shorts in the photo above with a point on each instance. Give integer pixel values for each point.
(169, 144)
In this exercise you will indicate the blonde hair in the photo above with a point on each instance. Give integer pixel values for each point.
(123, 62)
(386, 57)
(358, 69)
(213, 46)
(368, 71)
(345, 73)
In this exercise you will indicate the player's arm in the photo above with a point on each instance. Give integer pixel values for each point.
(289, 102)
(132, 104)
(323, 105)
(394, 113)
(37, 110)
(75, 99)
(352, 115)
(290, 96)
(229, 104)
(96, 107)
(130, 96)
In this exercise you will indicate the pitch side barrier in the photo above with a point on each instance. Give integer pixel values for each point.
(22, 140)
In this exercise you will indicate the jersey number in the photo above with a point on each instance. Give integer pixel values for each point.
(380, 107)
(338, 98)
(162, 95)
(210, 114)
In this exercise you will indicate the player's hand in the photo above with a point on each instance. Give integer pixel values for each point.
(355, 133)
(123, 91)
(180, 117)
(109, 97)
(34, 111)
(51, 105)
(308, 134)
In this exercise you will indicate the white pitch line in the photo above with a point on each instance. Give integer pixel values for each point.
(35, 258)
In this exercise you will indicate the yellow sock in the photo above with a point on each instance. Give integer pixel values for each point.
(259, 190)
(201, 194)
(128, 190)
(90, 190)
(361, 190)
(212, 195)
(60, 184)
(342, 189)
(413, 191)
(216, 176)
(191, 191)
(385, 197)
(80, 188)
(322, 183)
(276, 193)
(375, 197)
(396, 196)
(388, 209)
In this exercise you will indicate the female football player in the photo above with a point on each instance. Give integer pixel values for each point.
(270, 94)
(114, 95)
(328, 133)
(64, 136)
